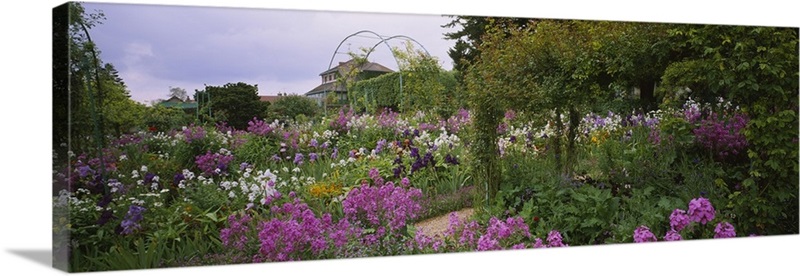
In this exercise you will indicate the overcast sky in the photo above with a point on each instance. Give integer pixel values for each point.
(155, 47)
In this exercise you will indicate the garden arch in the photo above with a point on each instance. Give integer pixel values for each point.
(383, 40)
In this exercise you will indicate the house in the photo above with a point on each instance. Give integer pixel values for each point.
(176, 102)
(269, 99)
(331, 85)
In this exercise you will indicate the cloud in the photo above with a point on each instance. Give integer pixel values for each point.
(158, 46)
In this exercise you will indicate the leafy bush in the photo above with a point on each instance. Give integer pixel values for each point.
(291, 107)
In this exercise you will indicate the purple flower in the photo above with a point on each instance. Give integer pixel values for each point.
(724, 230)
(210, 162)
(375, 175)
(539, 244)
(381, 144)
(313, 143)
(312, 157)
(298, 159)
(258, 127)
(193, 133)
(554, 239)
(701, 210)
(131, 221)
(387, 206)
(678, 219)
(84, 170)
(450, 159)
(643, 234)
(335, 153)
(414, 153)
(672, 235)
(486, 243)
(236, 234)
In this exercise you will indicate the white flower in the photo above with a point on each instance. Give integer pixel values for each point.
(157, 204)
(296, 170)
(155, 178)
(144, 168)
(231, 194)
(123, 157)
(285, 169)
(134, 174)
(154, 186)
(165, 191)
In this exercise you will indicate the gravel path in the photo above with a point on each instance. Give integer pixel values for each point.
(438, 225)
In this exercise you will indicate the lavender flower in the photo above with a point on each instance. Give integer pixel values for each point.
(312, 157)
(298, 159)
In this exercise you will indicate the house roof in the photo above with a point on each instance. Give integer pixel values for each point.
(271, 99)
(328, 86)
(343, 67)
(177, 102)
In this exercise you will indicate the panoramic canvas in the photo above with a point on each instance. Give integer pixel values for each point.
(192, 136)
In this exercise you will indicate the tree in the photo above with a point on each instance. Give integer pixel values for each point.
(234, 103)
(470, 37)
(178, 92)
(289, 107)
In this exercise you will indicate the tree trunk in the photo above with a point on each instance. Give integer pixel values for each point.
(647, 95)
(574, 120)
(557, 140)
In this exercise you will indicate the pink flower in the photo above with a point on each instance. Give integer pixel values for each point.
(724, 230)
(643, 234)
(678, 219)
(701, 210)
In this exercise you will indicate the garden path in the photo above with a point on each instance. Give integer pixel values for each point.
(436, 226)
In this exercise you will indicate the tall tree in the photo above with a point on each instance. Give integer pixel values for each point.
(234, 103)
(470, 36)
(178, 92)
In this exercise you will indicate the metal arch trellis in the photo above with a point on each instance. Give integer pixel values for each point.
(383, 40)
(97, 123)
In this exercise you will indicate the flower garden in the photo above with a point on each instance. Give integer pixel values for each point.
(551, 133)
(352, 185)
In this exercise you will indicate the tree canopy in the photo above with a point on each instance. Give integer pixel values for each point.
(234, 103)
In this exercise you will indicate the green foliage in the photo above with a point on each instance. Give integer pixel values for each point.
(469, 36)
(165, 118)
(755, 68)
(425, 86)
(234, 103)
(292, 106)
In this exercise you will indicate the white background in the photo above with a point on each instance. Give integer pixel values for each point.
(26, 130)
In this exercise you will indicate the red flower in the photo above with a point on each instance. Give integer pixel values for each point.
(535, 219)
(152, 129)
